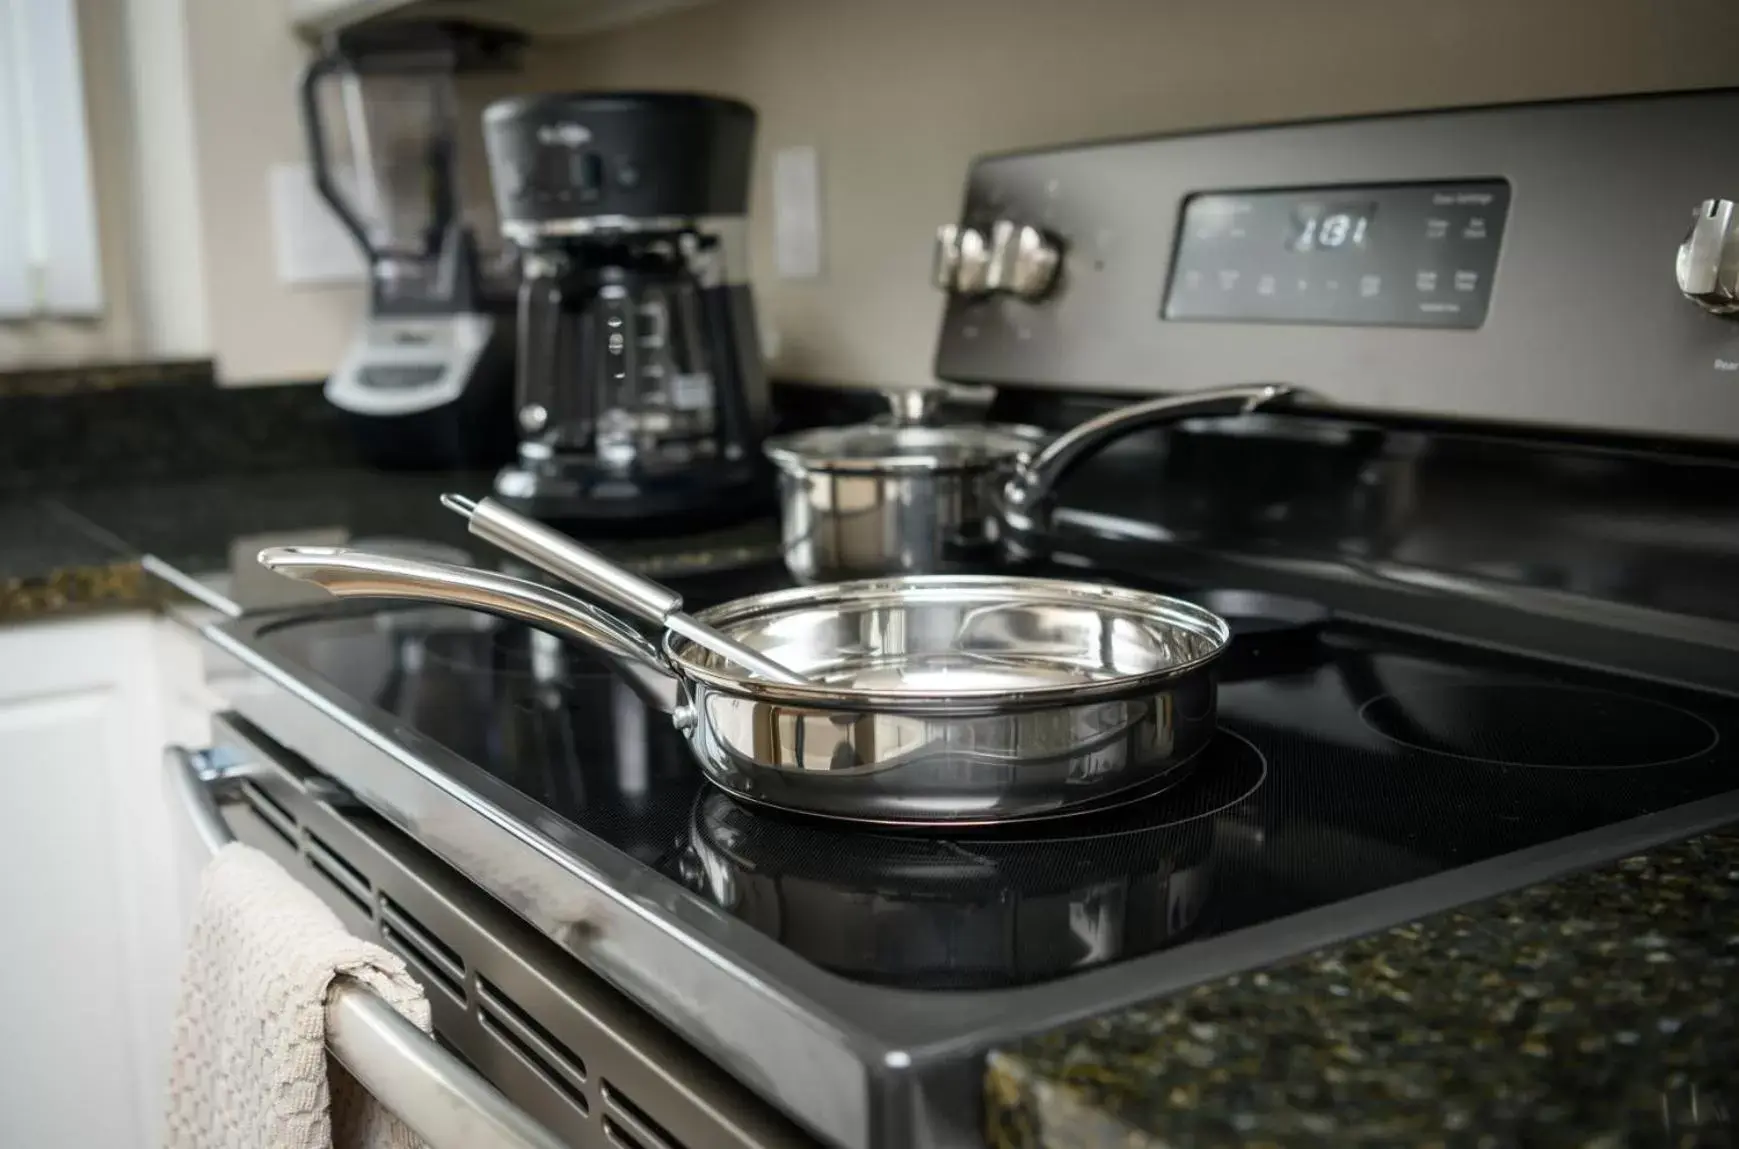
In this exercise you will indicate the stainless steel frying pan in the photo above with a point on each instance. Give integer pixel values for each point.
(926, 699)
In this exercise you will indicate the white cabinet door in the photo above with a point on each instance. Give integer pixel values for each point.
(90, 891)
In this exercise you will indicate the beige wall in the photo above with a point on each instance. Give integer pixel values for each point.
(244, 61)
(899, 94)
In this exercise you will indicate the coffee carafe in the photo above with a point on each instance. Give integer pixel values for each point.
(640, 396)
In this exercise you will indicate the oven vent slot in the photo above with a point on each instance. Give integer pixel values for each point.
(276, 818)
(560, 1066)
(627, 1125)
(435, 958)
(620, 1137)
(349, 880)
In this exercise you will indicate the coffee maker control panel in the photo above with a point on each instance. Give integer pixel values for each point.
(1500, 265)
(572, 163)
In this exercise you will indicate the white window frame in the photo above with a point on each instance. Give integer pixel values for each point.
(49, 263)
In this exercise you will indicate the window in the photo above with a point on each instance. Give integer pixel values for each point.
(48, 230)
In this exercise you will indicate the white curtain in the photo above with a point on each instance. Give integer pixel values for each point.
(48, 229)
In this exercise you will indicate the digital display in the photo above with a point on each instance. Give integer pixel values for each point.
(1411, 255)
(1337, 228)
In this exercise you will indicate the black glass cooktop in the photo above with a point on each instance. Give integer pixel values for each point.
(1349, 759)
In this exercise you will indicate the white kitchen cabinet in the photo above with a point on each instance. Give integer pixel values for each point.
(541, 17)
(93, 884)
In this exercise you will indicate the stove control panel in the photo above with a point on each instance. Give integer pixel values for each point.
(1499, 265)
(1407, 255)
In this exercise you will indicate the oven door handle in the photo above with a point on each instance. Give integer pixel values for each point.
(439, 1097)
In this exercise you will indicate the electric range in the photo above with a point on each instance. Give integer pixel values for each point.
(1362, 775)
(1481, 597)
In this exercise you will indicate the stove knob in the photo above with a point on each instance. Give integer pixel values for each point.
(1708, 264)
(1023, 260)
(945, 262)
(972, 272)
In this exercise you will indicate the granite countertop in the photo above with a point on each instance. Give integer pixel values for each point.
(93, 548)
(51, 563)
(96, 548)
(1588, 1011)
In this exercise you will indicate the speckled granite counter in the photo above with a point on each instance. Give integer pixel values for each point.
(51, 564)
(1590, 1011)
(91, 548)
(109, 547)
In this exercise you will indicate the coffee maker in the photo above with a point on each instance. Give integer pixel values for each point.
(427, 379)
(641, 398)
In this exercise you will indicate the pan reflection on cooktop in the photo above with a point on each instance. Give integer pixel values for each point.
(996, 908)
(1349, 760)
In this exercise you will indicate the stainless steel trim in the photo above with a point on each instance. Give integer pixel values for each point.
(188, 585)
(429, 1089)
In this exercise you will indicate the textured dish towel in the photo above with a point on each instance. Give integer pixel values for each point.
(248, 1066)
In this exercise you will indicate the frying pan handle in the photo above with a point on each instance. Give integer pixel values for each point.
(359, 574)
(566, 558)
(1026, 498)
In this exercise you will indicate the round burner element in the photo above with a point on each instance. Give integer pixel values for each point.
(1540, 725)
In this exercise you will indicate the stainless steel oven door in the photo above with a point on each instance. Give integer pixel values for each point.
(531, 1049)
(432, 1091)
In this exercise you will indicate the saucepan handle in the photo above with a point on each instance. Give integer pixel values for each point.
(359, 574)
(1026, 496)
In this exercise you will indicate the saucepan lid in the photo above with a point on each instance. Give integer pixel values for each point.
(876, 447)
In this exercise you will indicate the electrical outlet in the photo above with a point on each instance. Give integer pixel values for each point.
(797, 212)
(312, 247)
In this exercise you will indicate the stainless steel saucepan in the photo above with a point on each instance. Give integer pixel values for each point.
(904, 496)
(926, 699)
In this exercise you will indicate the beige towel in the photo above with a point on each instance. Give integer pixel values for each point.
(248, 1067)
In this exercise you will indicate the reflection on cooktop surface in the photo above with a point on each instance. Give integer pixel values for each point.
(1349, 760)
(960, 912)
